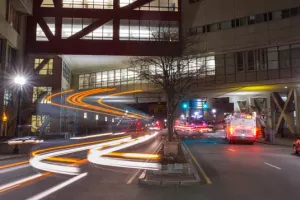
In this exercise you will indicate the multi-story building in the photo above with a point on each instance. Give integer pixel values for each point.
(83, 44)
(12, 46)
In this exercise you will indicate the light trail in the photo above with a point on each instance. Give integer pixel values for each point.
(95, 155)
(135, 155)
(25, 142)
(100, 101)
(37, 163)
(91, 136)
(14, 164)
(77, 99)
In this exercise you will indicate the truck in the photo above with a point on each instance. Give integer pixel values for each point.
(241, 127)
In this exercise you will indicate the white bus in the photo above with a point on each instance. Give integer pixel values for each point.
(241, 127)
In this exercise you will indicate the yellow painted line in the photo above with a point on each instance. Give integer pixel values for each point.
(14, 164)
(199, 166)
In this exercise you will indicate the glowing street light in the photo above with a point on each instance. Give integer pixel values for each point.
(213, 110)
(20, 80)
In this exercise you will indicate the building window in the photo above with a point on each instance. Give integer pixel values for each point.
(14, 18)
(240, 61)
(7, 97)
(295, 55)
(226, 25)
(11, 57)
(229, 63)
(194, 1)
(47, 69)
(145, 30)
(261, 62)
(156, 5)
(70, 26)
(284, 57)
(89, 4)
(250, 60)
(285, 13)
(39, 92)
(37, 122)
(272, 58)
(66, 72)
(249, 20)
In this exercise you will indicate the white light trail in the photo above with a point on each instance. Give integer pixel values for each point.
(70, 170)
(95, 156)
(90, 136)
(57, 187)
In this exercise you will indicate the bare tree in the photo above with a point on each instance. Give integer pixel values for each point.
(171, 73)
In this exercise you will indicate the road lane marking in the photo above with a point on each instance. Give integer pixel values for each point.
(138, 171)
(20, 182)
(272, 165)
(198, 165)
(57, 187)
(14, 164)
(10, 169)
(231, 150)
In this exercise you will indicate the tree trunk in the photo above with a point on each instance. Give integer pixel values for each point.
(170, 115)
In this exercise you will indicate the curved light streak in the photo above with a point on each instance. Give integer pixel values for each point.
(95, 155)
(37, 163)
(77, 99)
(100, 101)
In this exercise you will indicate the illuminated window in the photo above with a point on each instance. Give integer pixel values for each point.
(39, 92)
(7, 97)
(90, 4)
(47, 69)
(37, 122)
(145, 30)
(70, 26)
(40, 35)
(85, 115)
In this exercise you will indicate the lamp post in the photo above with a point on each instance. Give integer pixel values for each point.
(19, 81)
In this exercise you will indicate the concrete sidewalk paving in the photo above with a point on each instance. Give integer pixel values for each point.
(287, 142)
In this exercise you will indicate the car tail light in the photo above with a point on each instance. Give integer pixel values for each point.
(254, 132)
(231, 130)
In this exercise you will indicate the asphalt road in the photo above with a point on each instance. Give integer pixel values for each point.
(239, 171)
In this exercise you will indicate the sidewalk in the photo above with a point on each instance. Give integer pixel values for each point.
(287, 142)
(11, 156)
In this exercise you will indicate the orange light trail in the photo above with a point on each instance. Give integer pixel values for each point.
(77, 99)
(100, 101)
(135, 155)
(14, 164)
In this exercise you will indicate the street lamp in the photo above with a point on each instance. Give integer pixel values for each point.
(213, 111)
(19, 81)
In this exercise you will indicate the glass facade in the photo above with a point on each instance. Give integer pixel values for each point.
(37, 121)
(127, 76)
(40, 35)
(156, 5)
(149, 30)
(70, 26)
(39, 92)
(47, 69)
(214, 67)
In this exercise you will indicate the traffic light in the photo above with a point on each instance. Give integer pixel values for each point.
(205, 105)
(184, 105)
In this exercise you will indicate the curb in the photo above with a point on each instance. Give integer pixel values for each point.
(12, 157)
(283, 145)
(168, 183)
